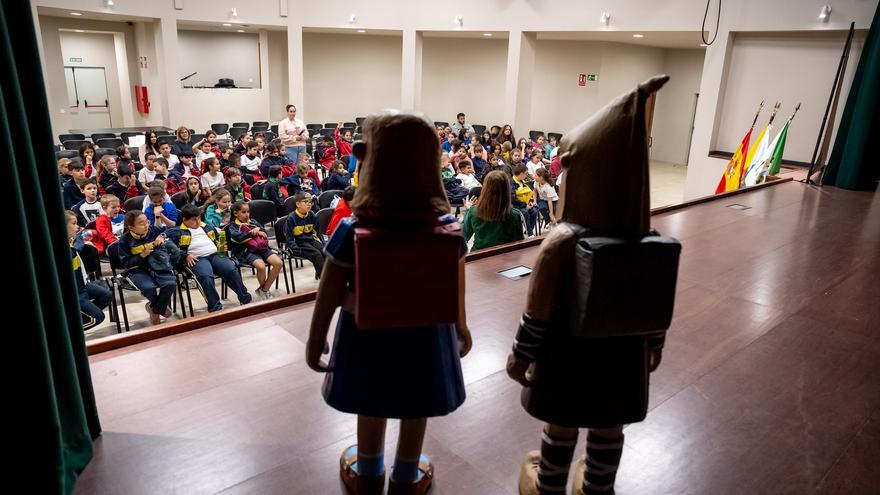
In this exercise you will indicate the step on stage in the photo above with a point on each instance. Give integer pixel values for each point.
(769, 381)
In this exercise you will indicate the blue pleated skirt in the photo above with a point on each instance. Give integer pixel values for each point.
(403, 373)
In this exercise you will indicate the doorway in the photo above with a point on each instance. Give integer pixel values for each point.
(88, 102)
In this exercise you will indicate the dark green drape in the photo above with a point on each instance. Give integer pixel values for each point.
(54, 416)
(853, 163)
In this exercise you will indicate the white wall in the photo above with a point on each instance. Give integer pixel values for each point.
(673, 112)
(95, 50)
(346, 76)
(464, 75)
(216, 55)
(559, 104)
(791, 68)
(278, 76)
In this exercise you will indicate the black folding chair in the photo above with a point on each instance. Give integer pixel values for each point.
(331, 125)
(114, 143)
(179, 199)
(360, 121)
(102, 135)
(101, 152)
(92, 266)
(69, 154)
(220, 128)
(70, 137)
(246, 125)
(235, 132)
(533, 135)
(479, 128)
(260, 123)
(557, 135)
(327, 197)
(351, 125)
(324, 216)
(74, 144)
(135, 203)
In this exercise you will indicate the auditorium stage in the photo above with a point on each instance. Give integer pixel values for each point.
(770, 380)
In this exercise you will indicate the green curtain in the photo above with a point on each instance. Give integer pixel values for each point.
(853, 164)
(56, 415)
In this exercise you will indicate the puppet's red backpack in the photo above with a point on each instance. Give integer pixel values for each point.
(407, 278)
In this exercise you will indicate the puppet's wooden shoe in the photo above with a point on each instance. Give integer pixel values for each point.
(577, 482)
(528, 474)
(420, 487)
(354, 483)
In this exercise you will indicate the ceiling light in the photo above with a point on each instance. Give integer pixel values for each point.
(487, 34)
(76, 13)
(240, 31)
(226, 24)
(605, 19)
(362, 30)
(79, 30)
(108, 3)
(637, 35)
(825, 13)
(233, 13)
(459, 21)
(352, 19)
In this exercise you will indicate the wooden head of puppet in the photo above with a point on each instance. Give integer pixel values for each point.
(605, 186)
(399, 173)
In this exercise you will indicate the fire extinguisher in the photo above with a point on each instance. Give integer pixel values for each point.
(143, 99)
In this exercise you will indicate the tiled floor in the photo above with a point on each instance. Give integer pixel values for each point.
(667, 187)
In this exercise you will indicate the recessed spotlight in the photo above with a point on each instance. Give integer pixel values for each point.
(239, 30)
(79, 30)
(638, 35)
(226, 24)
(362, 30)
(76, 13)
(487, 34)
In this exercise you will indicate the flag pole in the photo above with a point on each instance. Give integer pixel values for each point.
(760, 106)
(835, 89)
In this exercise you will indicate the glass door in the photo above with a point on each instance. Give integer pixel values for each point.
(88, 103)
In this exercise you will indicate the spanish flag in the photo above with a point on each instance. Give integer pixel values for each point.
(731, 178)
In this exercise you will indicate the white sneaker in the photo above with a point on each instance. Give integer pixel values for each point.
(268, 294)
(261, 294)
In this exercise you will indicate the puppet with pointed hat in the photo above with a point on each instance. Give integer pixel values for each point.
(581, 364)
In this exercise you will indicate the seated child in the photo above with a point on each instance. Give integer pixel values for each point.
(148, 173)
(521, 197)
(89, 208)
(326, 152)
(218, 213)
(301, 181)
(211, 178)
(185, 168)
(466, 176)
(198, 248)
(160, 213)
(123, 159)
(93, 296)
(342, 210)
(125, 187)
(63, 174)
(72, 192)
(273, 158)
(250, 161)
(339, 177)
(547, 197)
(273, 191)
(250, 245)
(535, 162)
(239, 189)
(156, 183)
(110, 224)
(301, 232)
(149, 260)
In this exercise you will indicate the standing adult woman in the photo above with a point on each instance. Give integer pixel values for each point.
(293, 135)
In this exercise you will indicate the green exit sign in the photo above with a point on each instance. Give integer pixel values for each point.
(76, 59)
(592, 77)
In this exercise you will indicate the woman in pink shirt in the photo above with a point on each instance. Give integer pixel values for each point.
(293, 135)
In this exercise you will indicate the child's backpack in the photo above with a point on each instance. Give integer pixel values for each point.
(623, 287)
(256, 244)
(407, 278)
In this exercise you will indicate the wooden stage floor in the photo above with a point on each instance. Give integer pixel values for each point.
(770, 381)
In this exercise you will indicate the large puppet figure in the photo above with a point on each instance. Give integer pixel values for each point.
(395, 269)
(599, 302)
